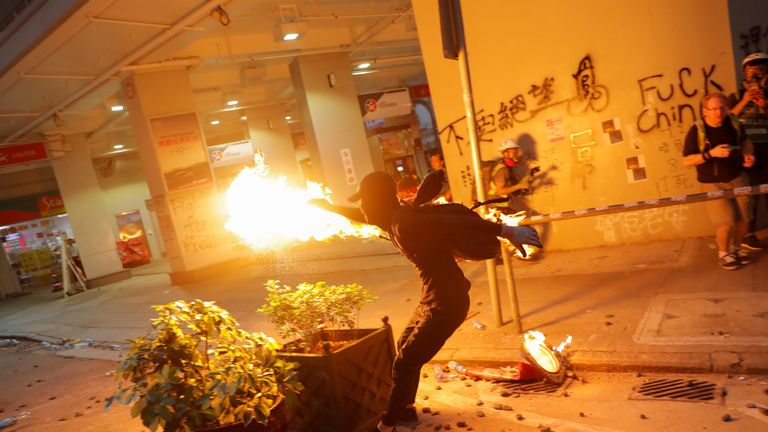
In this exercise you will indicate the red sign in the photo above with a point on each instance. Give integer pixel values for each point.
(50, 205)
(420, 91)
(21, 153)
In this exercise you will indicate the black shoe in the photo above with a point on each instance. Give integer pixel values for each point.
(751, 242)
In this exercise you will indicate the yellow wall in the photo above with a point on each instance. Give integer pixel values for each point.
(649, 59)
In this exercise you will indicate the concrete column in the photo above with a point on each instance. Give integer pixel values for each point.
(94, 228)
(333, 125)
(189, 208)
(271, 135)
(9, 283)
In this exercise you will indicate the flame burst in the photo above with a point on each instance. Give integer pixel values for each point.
(266, 212)
(535, 344)
(514, 219)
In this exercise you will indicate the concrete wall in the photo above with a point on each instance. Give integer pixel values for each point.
(559, 78)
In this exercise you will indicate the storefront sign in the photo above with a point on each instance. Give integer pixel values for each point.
(240, 152)
(22, 153)
(50, 205)
(385, 104)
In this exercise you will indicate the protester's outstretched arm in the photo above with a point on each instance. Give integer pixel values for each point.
(351, 213)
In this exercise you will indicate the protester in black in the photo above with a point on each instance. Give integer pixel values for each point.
(430, 237)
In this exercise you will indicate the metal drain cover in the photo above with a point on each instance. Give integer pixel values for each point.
(678, 389)
(535, 387)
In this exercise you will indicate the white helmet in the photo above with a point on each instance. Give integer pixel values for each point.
(757, 57)
(508, 143)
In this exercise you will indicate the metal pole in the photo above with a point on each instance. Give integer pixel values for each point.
(469, 109)
(65, 285)
(511, 287)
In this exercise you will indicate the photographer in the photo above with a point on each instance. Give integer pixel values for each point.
(751, 111)
(719, 148)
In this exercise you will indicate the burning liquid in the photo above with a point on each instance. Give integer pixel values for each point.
(266, 212)
(534, 342)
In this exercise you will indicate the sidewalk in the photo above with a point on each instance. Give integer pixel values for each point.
(660, 306)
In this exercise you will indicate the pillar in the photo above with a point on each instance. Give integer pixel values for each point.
(271, 135)
(174, 158)
(93, 226)
(331, 120)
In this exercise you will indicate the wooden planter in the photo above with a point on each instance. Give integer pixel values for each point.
(345, 390)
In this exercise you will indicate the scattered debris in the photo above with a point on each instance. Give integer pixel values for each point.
(426, 410)
(478, 325)
(9, 343)
(480, 413)
(751, 405)
(638, 374)
(763, 410)
(438, 388)
(506, 393)
(581, 414)
(461, 424)
(520, 417)
(726, 418)
(608, 323)
(502, 407)
(479, 403)
(643, 416)
(609, 315)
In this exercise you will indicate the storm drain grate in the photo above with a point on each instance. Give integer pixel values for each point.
(677, 390)
(534, 387)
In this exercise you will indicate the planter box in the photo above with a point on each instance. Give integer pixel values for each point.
(278, 422)
(345, 390)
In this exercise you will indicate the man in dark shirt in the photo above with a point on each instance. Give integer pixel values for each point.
(753, 114)
(427, 236)
(719, 152)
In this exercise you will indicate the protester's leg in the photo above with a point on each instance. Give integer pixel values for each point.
(722, 237)
(427, 337)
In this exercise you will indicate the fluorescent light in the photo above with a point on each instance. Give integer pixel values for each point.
(363, 72)
(215, 122)
(116, 108)
(363, 65)
(243, 117)
(232, 102)
(288, 117)
(118, 146)
(290, 36)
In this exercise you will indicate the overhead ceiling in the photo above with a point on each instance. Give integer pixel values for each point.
(62, 61)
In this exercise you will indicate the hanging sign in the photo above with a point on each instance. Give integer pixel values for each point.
(22, 153)
(385, 104)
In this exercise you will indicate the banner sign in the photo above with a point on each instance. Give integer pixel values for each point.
(385, 104)
(181, 151)
(222, 155)
(22, 153)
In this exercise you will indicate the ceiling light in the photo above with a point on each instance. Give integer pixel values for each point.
(243, 117)
(364, 72)
(288, 117)
(116, 108)
(232, 102)
(291, 31)
(363, 65)
(215, 122)
(118, 146)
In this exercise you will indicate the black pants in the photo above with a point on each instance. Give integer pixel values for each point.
(425, 334)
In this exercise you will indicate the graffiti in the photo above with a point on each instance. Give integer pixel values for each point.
(589, 95)
(752, 41)
(640, 224)
(673, 184)
(655, 88)
(467, 178)
(196, 230)
(524, 107)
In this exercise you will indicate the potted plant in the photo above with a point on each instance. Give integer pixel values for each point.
(346, 371)
(196, 370)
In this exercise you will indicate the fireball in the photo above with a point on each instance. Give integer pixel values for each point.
(494, 214)
(266, 212)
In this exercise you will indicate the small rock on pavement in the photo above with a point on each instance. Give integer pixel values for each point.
(425, 375)
(438, 388)
(608, 323)
(426, 410)
(479, 403)
(78, 414)
(461, 424)
(543, 428)
(726, 418)
(506, 393)
(751, 405)
(581, 414)
(763, 411)
(643, 416)
(502, 407)
(520, 417)
(480, 413)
